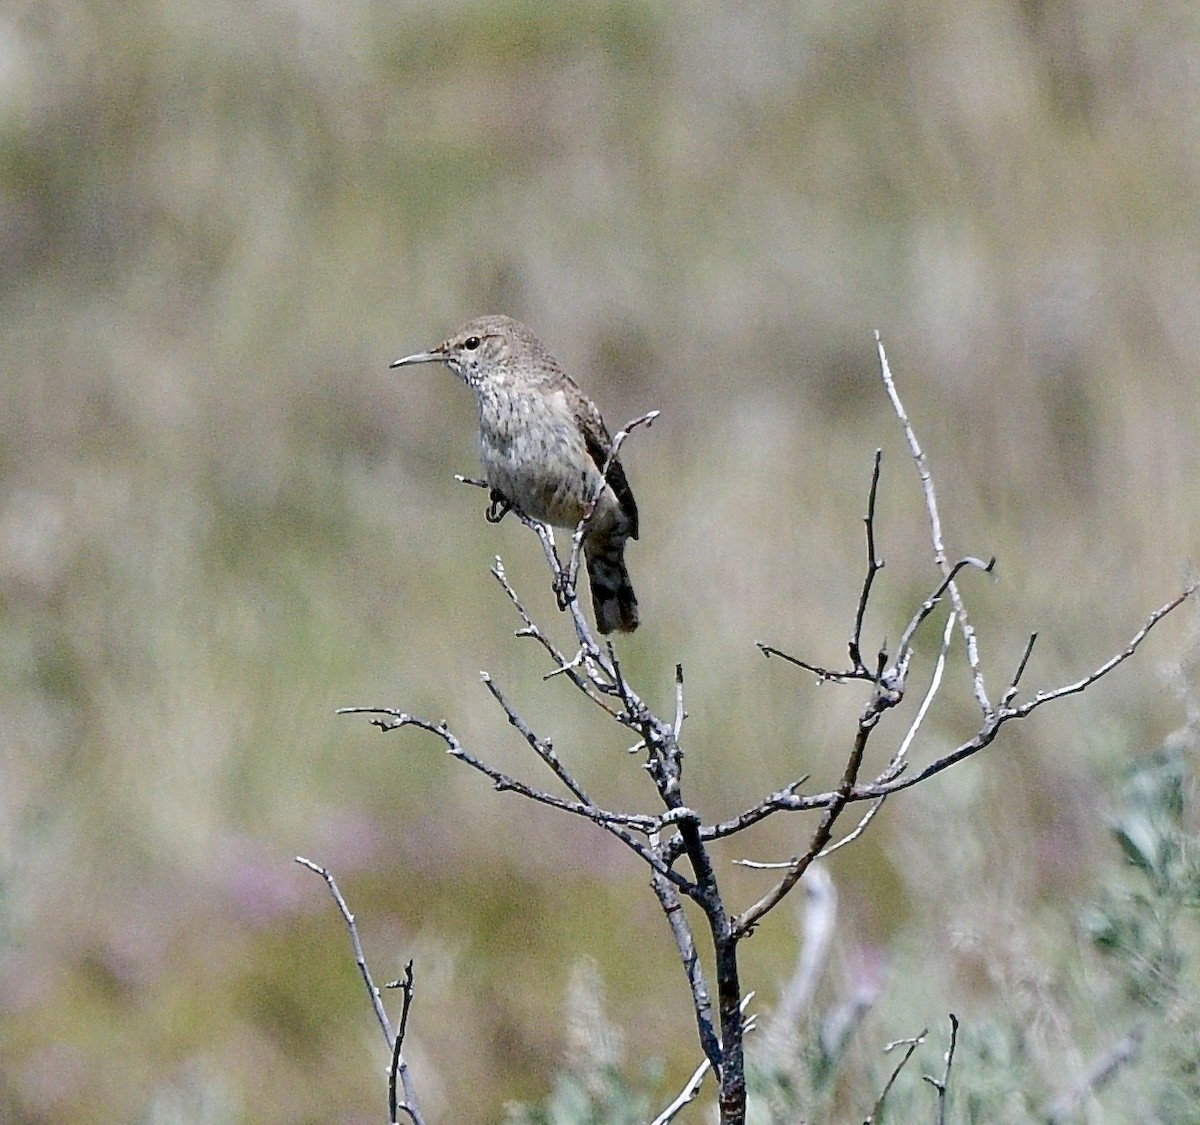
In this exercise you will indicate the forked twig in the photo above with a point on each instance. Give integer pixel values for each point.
(745, 922)
(395, 1043)
(621, 825)
(941, 1085)
(1014, 685)
(397, 1067)
(874, 566)
(911, 1045)
(562, 666)
(935, 527)
(678, 834)
(692, 1086)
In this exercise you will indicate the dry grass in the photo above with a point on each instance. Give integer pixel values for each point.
(221, 516)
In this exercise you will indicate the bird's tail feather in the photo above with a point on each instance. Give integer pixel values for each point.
(613, 599)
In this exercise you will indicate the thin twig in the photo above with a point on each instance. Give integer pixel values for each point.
(900, 759)
(941, 1085)
(359, 958)
(673, 749)
(895, 677)
(583, 631)
(563, 666)
(904, 649)
(685, 1096)
(874, 566)
(912, 1045)
(1011, 692)
(395, 1044)
(855, 833)
(680, 713)
(1111, 663)
(850, 837)
(624, 693)
(788, 800)
(543, 748)
(745, 922)
(618, 824)
(565, 587)
(618, 440)
(991, 727)
(935, 527)
(935, 682)
(398, 1069)
(825, 674)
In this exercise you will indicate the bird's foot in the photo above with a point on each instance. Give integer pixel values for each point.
(564, 591)
(499, 507)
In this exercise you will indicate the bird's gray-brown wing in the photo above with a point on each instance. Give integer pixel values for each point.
(599, 445)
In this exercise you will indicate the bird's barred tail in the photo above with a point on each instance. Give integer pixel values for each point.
(613, 599)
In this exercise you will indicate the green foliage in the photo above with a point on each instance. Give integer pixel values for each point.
(991, 1079)
(592, 1089)
(1148, 934)
(1135, 1058)
(596, 1095)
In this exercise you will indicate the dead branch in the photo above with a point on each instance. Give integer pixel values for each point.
(680, 832)
(941, 1085)
(395, 1043)
(935, 526)
(911, 1045)
(398, 1068)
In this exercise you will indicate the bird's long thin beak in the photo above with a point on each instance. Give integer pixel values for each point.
(420, 357)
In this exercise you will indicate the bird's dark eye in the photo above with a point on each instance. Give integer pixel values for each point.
(471, 343)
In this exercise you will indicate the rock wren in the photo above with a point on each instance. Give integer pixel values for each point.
(544, 448)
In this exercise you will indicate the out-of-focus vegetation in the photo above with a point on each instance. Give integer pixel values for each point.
(221, 516)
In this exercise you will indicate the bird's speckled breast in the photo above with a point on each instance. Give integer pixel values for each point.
(526, 441)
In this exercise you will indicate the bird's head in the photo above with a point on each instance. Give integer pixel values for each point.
(477, 350)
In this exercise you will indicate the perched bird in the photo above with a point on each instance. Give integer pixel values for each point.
(544, 449)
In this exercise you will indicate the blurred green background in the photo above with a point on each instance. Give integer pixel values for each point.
(222, 516)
